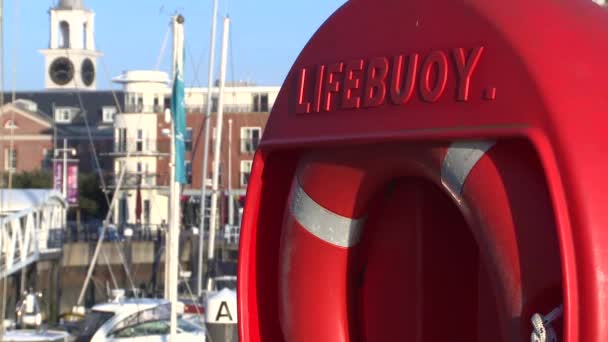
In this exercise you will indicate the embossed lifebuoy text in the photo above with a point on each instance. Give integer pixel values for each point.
(368, 83)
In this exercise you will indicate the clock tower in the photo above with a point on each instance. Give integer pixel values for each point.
(71, 59)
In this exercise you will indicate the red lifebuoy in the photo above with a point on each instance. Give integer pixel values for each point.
(502, 198)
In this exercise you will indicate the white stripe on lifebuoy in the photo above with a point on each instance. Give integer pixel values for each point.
(328, 226)
(343, 231)
(459, 161)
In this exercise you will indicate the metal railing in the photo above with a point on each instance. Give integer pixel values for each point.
(230, 108)
(142, 179)
(90, 232)
(27, 234)
(139, 108)
(143, 146)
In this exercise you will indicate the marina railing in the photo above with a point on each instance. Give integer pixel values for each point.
(31, 233)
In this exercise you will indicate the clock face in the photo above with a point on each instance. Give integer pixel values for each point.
(61, 71)
(87, 72)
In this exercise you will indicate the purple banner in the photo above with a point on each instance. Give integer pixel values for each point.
(73, 183)
(72, 179)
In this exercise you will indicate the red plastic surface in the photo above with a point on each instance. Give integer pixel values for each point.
(534, 70)
(509, 231)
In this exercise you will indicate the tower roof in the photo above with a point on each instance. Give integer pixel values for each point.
(71, 5)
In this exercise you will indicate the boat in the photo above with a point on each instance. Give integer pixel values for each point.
(137, 319)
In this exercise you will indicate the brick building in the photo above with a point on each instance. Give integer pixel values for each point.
(64, 118)
(26, 139)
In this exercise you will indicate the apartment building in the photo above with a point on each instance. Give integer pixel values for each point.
(141, 145)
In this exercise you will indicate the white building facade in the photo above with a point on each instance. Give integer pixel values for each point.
(138, 140)
(136, 150)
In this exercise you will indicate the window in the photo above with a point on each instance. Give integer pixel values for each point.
(122, 140)
(134, 103)
(154, 327)
(245, 171)
(139, 167)
(129, 102)
(46, 159)
(250, 138)
(10, 159)
(122, 211)
(10, 124)
(189, 139)
(260, 102)
(140, 103)
(189, 171)
(219, 174)
(65, 114)
(108, 113)
(64, 35)
(145, 329)
(84, 36)
(159, 103)
(140, 140)
(148, 179)
(92, 322)
(147, 211)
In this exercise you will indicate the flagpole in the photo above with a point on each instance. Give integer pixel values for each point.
(169, 236)
(217, 147)
(177, 165)
(207, 123)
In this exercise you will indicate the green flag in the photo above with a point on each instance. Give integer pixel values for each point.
(178, 110)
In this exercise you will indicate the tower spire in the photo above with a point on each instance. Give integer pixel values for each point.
(70, 5)
(71, 58)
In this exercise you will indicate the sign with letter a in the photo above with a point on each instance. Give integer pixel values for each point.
(221, 308)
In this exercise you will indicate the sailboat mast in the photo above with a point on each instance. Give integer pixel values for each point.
(207, 123)
(4, 279)
(169, 244)
(174, 217)
(217, 145)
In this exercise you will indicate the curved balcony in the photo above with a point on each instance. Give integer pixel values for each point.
(140, 108)
(132, 180)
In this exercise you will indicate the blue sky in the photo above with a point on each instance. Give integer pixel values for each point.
(267, 36)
